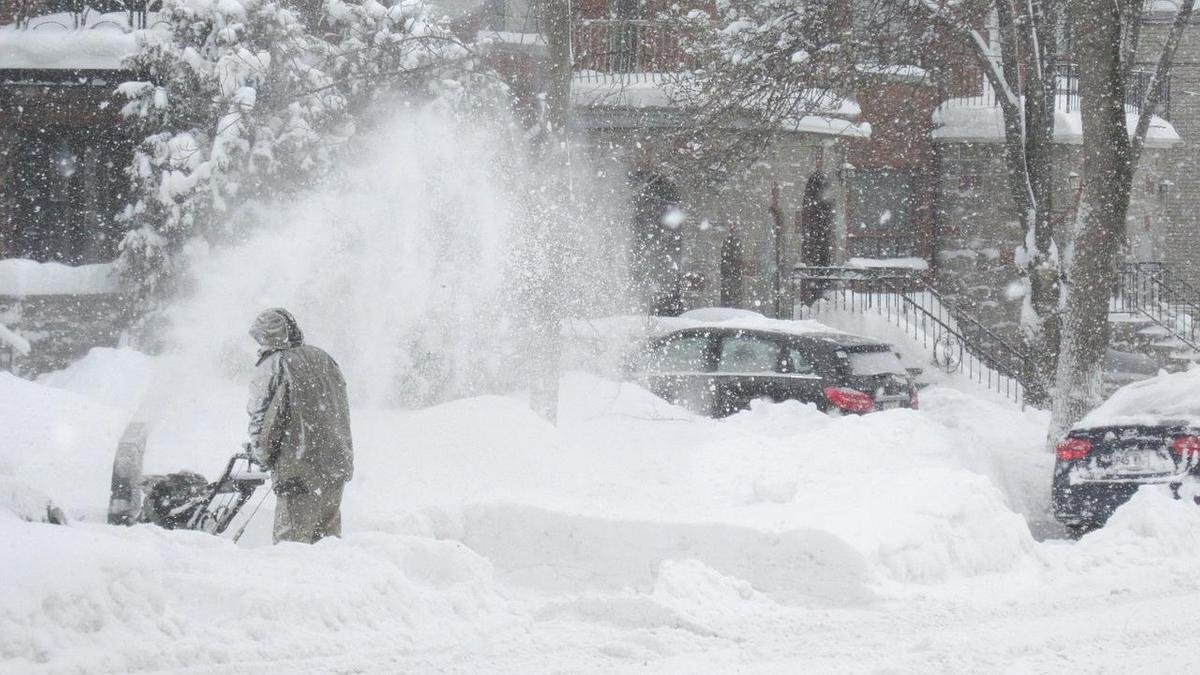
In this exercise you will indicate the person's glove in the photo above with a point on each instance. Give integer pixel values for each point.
(291, 486)
(256, 453)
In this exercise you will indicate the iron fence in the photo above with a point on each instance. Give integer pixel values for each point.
(1066, 91)
(1154, 291)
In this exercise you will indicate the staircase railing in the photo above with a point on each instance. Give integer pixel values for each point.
(12, 346)
(1152, 290)
(957, 342)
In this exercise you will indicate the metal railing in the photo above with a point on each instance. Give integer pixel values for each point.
(1152, 290)
(12, 347)
(1066, 91)
(956, 341)
(78, 15)
(627, 49)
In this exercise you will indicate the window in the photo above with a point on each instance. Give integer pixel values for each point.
(801, 363)
(67, 186)
(682, 355)
(748, 354)
(880, 215)
(876, 363)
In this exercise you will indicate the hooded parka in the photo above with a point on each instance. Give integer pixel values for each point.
(300, 427)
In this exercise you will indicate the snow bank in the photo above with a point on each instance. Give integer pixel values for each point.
(26, 503)
(1166, 397)
(104, 599)
(58, 443)
(28, 277)
(118, 378)
(560, 552)
(620, 458)
(14, 341)
(630, 533)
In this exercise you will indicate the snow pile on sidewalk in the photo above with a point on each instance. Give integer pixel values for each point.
(479, 536)
(100, 599)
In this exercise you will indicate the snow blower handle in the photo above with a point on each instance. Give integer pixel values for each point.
(253, 455)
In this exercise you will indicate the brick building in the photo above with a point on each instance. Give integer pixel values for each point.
(909, 162)
(917, 167)
(63, 149)
(63, 153)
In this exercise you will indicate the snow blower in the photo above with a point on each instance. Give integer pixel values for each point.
(184, 500)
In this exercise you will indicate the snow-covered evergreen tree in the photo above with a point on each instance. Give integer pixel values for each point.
(246, 101)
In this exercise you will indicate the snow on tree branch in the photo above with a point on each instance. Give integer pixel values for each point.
(245, 101)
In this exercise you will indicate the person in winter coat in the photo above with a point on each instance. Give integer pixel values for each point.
(300, 428)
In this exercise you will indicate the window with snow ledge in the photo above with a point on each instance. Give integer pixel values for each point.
(64, 189)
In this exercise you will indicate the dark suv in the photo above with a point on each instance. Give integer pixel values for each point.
(1146, 433)
(719, 371)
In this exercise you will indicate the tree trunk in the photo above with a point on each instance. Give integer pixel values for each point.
(1100, 227)
(1037, 47)
(1024, 79)
(546, 313)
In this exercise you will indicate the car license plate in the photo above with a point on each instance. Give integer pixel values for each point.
(887, 405)
(1139, 461)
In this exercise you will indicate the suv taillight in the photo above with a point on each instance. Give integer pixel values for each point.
(912, 398)
(1070, 449)
(1186, 446)
(850, 400)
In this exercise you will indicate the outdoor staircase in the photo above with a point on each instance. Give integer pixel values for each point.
(1153, 312)
(901, 306)
(1152, 315)
(12, 348)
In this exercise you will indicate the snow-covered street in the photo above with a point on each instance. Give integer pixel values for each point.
(552, 336)
(632, 536)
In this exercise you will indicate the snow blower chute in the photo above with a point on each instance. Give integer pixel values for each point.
(182, 500)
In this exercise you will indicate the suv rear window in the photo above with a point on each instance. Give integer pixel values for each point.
(681, 355)
(876, 363)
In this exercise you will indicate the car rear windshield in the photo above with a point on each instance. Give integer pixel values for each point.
(876, 363)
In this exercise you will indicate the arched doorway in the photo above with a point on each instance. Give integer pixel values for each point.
(656, 243)
(817, 223)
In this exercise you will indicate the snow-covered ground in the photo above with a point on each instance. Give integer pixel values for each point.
(631, 536)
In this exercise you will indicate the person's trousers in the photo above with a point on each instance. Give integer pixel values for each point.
(310, 516)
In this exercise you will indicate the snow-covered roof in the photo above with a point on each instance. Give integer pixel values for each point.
(1169, 397)
(726, 317)
(889, 263)
(54, 42)
(966, 119)
(834, 116)
(19, 276)
(894, 72)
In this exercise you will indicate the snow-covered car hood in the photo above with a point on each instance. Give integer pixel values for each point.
(1169, 397)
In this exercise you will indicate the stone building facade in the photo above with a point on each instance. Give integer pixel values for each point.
(978, 233)
(1171, 234)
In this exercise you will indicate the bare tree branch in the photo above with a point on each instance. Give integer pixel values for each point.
(1158, 82)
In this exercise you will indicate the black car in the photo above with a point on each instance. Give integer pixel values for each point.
(719, 371)
(1147, 433)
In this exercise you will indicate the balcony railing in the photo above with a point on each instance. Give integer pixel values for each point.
(1066, 92)
(77, 14)
(626, 49)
